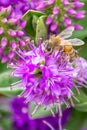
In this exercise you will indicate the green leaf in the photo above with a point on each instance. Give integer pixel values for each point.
(3, 67)
(34, 22)
(32, 12)
(82, 104)
(5, 124)
(29, 28)
(42, 111)
(31, 16)
(83, 0)
(41, 29)
(5, 81)
(85, 124)
(76, 121)
(83, 49)
(7, 91)
(81, 33)
(5, 113)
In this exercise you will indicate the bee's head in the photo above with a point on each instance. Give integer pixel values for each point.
(48, 46)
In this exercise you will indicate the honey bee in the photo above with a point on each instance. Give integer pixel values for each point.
(61, 41)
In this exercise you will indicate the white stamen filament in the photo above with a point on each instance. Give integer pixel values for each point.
(60, 117)
(35, 109)
(48, 124)
(51, 111)
(20, 55)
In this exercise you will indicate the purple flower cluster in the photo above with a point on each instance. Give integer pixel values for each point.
(46, 79)
(62, 15)
(12, 34)
(24, 5)
(6, 3)
(21, 119)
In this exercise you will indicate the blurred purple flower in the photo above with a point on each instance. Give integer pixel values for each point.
(5, 3)
(80, 65)
(21, 119)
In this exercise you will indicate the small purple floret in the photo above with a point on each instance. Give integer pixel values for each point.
(49, 20)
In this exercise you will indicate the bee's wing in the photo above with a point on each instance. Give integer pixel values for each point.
(76, 42)
(67, 32)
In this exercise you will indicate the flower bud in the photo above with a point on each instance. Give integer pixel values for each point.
(21, 43)
(19, 33)
(13, 45)
(71, 11)
(4, 42)
(23, 24)
(49, 20)
(53, 27)
(4, 59)
(78, 27)
(65, 2)
(1, 30)
(78, 4)
(67, 21)
(55, 10)
(12, 33)
(11, 54)
(50, 2)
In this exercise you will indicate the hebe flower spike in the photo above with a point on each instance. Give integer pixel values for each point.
(47, 79)
(12, 34)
